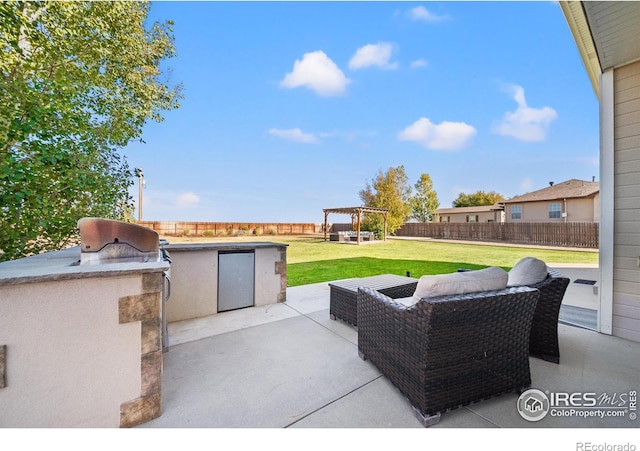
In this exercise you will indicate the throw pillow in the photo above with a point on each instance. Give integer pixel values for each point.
(488, 279)
(527, 271)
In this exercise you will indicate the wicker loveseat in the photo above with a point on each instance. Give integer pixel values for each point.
(449, 351)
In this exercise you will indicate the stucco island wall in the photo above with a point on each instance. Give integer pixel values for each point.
(80, 345)
(194, 276)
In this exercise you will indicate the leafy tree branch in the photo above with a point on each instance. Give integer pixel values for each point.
(78, 80)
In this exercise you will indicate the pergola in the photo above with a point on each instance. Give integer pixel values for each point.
(356, 215)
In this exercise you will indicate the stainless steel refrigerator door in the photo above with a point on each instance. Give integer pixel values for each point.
(235, 280)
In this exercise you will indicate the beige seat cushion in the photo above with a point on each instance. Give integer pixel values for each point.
(488, 279)
(527, 271)
(407, 302)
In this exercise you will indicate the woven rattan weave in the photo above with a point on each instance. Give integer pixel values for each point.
(450, 351)
(543, 341)
(343, 293)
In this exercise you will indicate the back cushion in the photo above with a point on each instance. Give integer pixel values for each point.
(488, 279)
(527, 271)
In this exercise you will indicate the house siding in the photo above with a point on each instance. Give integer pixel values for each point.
(626, 273)
(583, 210)
(578, 210)
(456, 218)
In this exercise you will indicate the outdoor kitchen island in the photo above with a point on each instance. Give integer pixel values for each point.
(210, 278)
(80, 344)
(83, 330)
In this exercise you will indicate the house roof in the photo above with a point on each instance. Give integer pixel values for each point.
(605, 32)
(463, 210)
(571, 189)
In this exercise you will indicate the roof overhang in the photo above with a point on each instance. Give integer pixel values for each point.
(606, 33)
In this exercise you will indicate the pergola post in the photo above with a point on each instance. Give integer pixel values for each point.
(326, 213)
(358, 231)
(385, 226)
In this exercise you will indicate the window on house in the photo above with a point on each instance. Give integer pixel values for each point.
(444, 218)
(555, 211)
(472, 218)
(516, 212)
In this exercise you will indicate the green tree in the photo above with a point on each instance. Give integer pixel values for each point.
(425, 201)
(78, 81)
(388, 191)
(477, 199)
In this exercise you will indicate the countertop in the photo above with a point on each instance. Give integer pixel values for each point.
(64, 264)
(222, 246)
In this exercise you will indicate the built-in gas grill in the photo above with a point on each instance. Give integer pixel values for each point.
(110, 241)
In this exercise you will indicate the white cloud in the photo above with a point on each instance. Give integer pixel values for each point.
(525, 123)
(422, 14)
(358, 137)
(373, 55)
(187, 200)
(526, 185)
(419, 63)
(444, 136)
(295, 135)
(317, 72)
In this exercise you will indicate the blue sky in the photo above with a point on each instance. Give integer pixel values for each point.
(292, 107)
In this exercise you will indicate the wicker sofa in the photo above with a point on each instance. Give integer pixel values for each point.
(449, 351)
(351, 235)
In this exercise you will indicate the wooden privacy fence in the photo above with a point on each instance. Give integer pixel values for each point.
(565, 234)
(170, 228)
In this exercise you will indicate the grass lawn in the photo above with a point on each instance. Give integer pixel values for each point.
(310, 259)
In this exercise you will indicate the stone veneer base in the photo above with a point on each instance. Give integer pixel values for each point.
(281, 269)
(146, 309)
(3, 366)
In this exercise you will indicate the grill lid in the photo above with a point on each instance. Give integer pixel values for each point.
(109, 241)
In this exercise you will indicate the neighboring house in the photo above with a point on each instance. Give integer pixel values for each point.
(570, 201)
(487, 213)
(607, 36)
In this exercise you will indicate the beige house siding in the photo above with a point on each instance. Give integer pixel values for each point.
(577, 210)
(530, 212)
(626, 278)
(583, 210)
(457, 218)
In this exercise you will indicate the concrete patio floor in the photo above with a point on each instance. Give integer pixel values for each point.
(290, 366)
